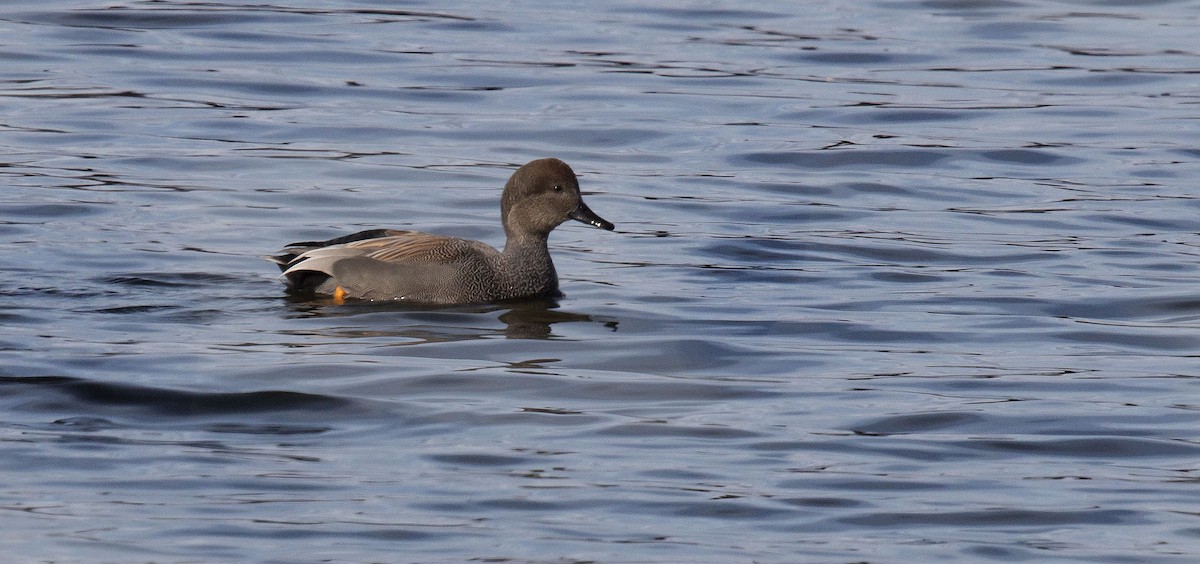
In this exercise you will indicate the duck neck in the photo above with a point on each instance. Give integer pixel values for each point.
(526, 266)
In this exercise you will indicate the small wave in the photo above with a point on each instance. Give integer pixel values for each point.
(63, 393)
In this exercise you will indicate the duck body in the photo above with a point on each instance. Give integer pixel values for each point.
(389, 264)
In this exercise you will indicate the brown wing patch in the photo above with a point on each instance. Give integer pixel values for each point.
(412, 246)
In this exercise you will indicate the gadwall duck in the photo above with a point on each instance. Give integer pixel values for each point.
(389, 264)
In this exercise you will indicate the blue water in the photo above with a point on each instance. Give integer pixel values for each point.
(891, 282)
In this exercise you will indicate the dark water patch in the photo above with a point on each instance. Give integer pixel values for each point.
(1135, 3)
(1103, 79)
(892, 115)
(866, 483)
(291, 530)
(285, 89)
(857, 58)
(998, 517)
(483, 80)
(748, 250)
(681, 391)
(1167, 267)
(278, 486)
(193, 315)
(697, 358)
(76, 443)
(38, 213)
(229, 37)
(822, 502)
(1135, 338)
(1090, 447)
(1031, 157)
(1102, 307)
(917, 423)
(902, 158)
(899, 253)
(973, 6)
(1126, 308)
(594, 137)
(436, 94)
(525, 504)
(480, 459)
(87, 424)
(1078, 112)
(675, 474)
(15, 318)
(719, 15)
(268, 429)
(907, 278)
(469, 25)
(137, 309)
(877, 188)
(70, 292)
(915, 451)
(348, 59)
(536, 417)
(1160, 173)
(133, 19)
(722, 509)
(758, 275)
(797, 189)
(611, 389)
(551, 410)
(170, 279)
(666, 430)
(1151, 224)
(60, 392)
(24, 57)
(865, 334)
(1013, 30)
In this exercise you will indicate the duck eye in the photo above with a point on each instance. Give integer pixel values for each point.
(557, 188)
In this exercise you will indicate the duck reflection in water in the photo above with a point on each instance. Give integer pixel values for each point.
(523, 319)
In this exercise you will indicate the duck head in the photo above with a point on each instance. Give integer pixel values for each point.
(540, 196)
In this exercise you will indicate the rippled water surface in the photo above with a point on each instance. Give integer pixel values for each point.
(892, 281)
